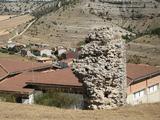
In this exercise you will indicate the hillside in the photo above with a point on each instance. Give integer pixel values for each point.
(68, 25)
(11, 111)
(9, 24)
(146, 49)
(18, 7)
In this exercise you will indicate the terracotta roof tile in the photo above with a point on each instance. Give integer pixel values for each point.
(17, 65)
(138, 70)
(16, 84)
(2, 72)
(135, 71)
(60, 77)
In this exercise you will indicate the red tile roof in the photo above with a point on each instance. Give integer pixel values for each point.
(16, 84)
(135, 71)
(66, 77)
(59, 77)
(3, 72)
(63, 77)
(17, 65)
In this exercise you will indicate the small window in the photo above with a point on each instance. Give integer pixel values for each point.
(153, 88)
(139, 94)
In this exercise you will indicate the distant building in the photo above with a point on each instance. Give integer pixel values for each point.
(61, 51)
(15, 47)
(43, 52)
(71, 54)
(46, 52)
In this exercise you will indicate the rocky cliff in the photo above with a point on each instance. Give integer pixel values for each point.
(101, 69)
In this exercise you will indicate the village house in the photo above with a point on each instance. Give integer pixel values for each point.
(15, 47)
(26, 52)
(143, 81)
(60, 50)
(15, 73)
(143, 84)
(38, 45)
(46, 52)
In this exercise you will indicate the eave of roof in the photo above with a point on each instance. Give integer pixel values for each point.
(139, 72)
(61, 81)
(142, 78)
(15, 92)
(64, 88)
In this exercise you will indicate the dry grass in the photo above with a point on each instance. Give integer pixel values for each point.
(7, 25)
(10, 111)
(4, 17)
(147, 48)
(8, 56)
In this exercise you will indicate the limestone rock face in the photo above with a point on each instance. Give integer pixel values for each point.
(101, 68)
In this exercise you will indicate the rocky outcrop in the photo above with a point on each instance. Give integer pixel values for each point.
(101, 69)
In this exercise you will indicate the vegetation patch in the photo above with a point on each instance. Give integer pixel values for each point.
(7, 98)
(58, 99)
(52, 6)
(134, 59)
(155, 31)
(128, 38)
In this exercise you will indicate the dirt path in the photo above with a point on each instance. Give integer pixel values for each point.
(28, 26)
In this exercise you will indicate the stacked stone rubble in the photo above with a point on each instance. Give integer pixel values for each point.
(101, 68)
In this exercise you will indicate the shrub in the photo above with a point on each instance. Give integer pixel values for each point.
(11, 52)
(128, 38)
(57, 99)
(134, 59)
(156, 31)
(129, 29)
(3, 50)
(7, 98)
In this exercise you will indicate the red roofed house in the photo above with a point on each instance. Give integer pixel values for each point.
(143, 82)
(15, 73)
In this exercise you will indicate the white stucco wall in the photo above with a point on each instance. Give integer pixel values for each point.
(30, 99)
(46, 52)
(147, 98)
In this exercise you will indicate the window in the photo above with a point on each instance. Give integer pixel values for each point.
(153, 88)
(139, 94)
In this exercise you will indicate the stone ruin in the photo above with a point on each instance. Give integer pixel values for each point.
(101, 67)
